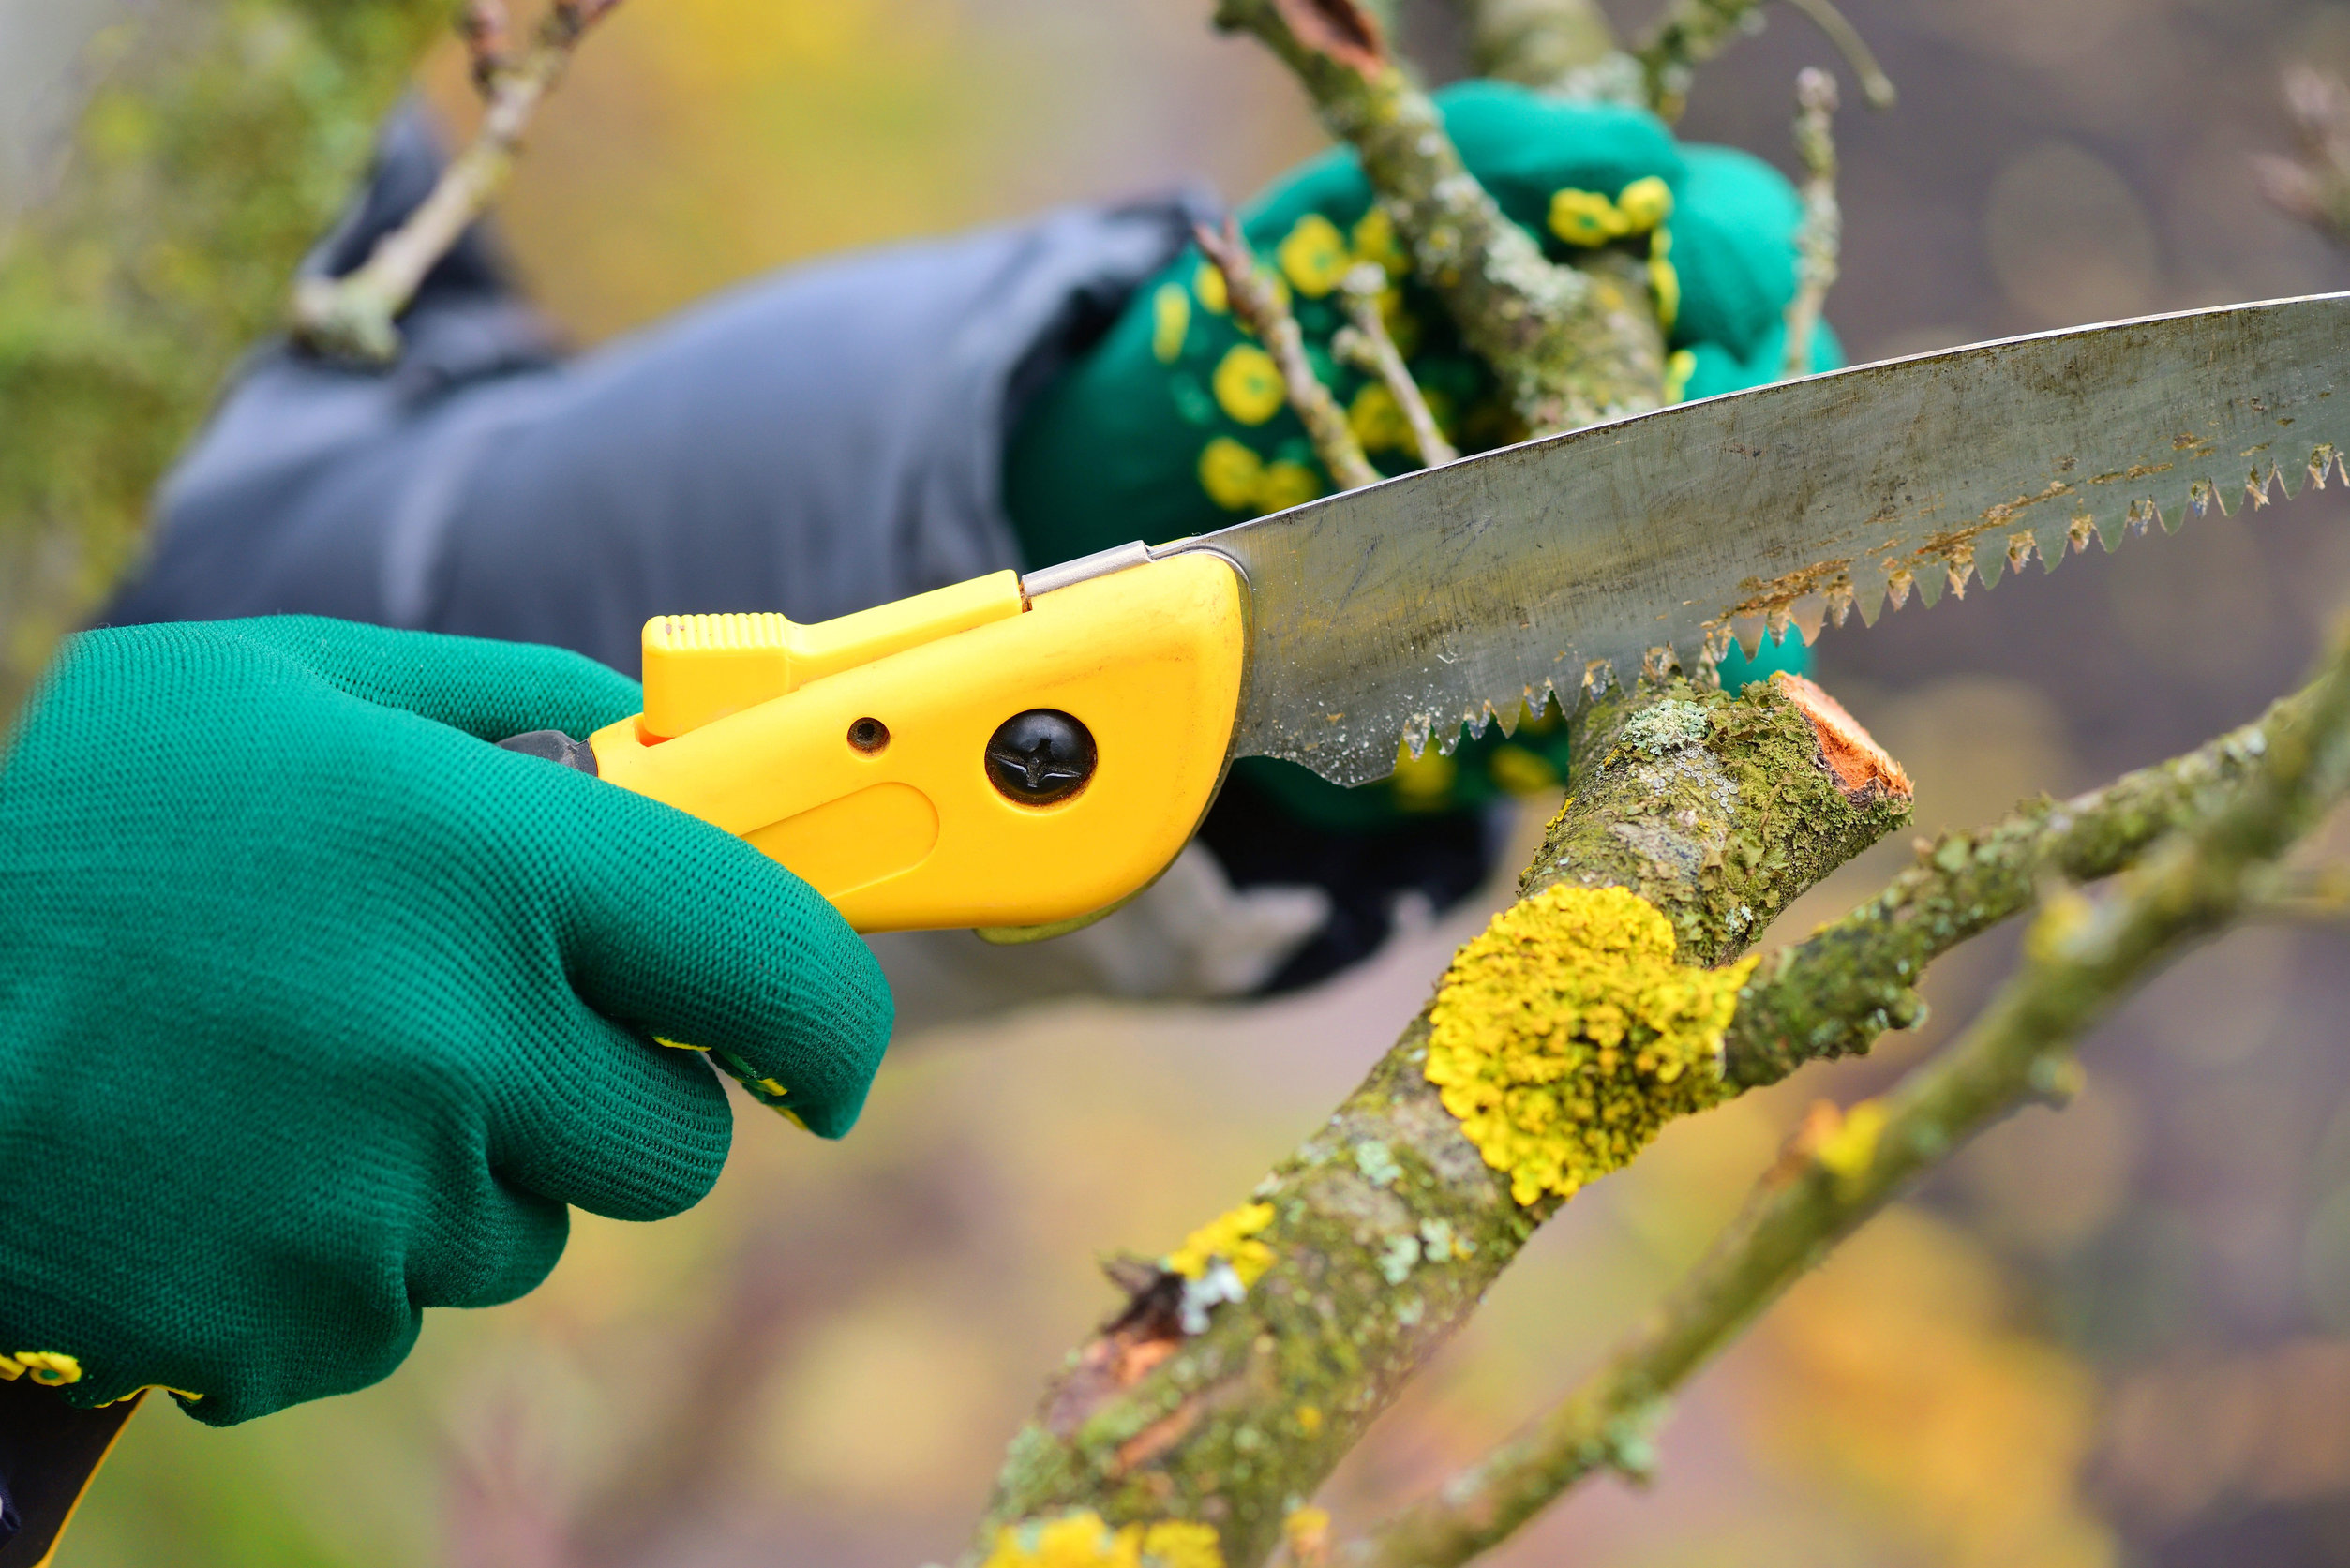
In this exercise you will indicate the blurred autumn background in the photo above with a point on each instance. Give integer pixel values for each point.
(2117, 1335)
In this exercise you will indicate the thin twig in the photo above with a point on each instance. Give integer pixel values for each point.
(1876, 89)
(353, 316)
(485, 29)
(1819, 239)
(2316, 189)
(1258, 307)
(1692, 32)
(2306, 895)
(2082, 958)
(1833, 993)
(1367, 347)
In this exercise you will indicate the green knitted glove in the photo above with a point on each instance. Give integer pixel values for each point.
(1175, 423)
(316, 1009)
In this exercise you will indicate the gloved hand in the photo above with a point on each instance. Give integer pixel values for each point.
(316, 1009)
(1175, 423)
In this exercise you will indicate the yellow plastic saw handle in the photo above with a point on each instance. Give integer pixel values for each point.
(974, 756)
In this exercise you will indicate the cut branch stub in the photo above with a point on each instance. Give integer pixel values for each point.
(1380, 1232)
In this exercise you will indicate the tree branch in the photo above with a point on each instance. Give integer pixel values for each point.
(2081, 959)
(1819, 239)
(2316, 189)
(1367, 346)
(1241, 1371)
(352, 317)
(1260, 308)
(1833, 993)
(1692, 32)
(1565, 47)
(1570, 348)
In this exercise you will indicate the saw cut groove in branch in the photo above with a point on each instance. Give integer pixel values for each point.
(2082, 958)
(1357, 1256)
(1819, 240)
(1257, 306)
(353, 316)
(1367, 346)
(1570, 348)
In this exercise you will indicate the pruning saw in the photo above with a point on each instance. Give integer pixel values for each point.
(1020, 753)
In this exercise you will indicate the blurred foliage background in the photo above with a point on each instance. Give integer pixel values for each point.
(2119, 1335)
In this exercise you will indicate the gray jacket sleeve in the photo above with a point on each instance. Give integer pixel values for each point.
(817, 441)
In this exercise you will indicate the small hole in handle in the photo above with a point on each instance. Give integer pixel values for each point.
(869, 736)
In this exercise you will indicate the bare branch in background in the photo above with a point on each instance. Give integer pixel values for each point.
(2081, 960)
(1257, 306)
(1563, 46)
(486, 31)
(1570, 347)
(1820, 239)
(1367, 348)
(1876, 89)
(1691, 31)
(2315, 189)
(352, 317)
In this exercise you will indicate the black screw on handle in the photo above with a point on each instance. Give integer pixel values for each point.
(1040, 756)
(555, 746)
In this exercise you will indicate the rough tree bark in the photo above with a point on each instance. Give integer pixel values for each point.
(1383, 1229)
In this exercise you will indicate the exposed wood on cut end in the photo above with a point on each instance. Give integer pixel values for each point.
(1861, 767)
(1340, 29)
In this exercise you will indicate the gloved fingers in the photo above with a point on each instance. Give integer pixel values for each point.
(686, 933)
(1524, 147)
(612, 1122)
(1734, 246)
(487, 689)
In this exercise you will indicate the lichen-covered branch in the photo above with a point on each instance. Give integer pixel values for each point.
(352, 317)
(214, 154)
(1836, 992)
(2314, 188)
(1253, 1357)
(2081, 959)
(1563, 46)
(1692, 32)
(1367, 346)
(1819, 238)
(1570, 347)
(1258, 307)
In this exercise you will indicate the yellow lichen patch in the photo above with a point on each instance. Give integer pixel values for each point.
(1313, 256)
(1306, 1532)
(1249, 385)
(1232, 1237)
(1081, 1540)
(1565, 1036)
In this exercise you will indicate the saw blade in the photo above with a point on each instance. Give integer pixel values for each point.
(1453, 596)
